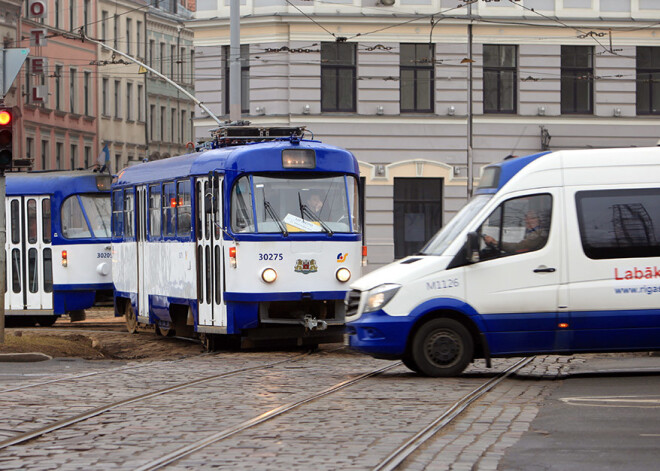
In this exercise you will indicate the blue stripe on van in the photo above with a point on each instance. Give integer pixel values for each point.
(382, 335)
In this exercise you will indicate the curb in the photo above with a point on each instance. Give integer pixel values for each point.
(23, 357)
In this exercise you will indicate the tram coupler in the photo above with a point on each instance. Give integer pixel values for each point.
(312, 323)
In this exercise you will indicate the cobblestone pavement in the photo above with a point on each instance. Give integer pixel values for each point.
(354, 428)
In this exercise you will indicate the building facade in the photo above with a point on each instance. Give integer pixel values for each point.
(10, 23)
(121, 88)
(170, 51)
(57, 119)
(396, 83)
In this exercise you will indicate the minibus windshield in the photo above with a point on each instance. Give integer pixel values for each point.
(288, 205)
(439, 242)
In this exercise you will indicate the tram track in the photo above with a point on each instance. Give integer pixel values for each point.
(398, 456)
(63, 423)
(96, 373)
(391, 462)
(249, 425)
(266, 416)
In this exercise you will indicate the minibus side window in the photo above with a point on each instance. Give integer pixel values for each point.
(518, 225)
(619, 223)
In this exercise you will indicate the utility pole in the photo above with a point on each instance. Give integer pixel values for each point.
(11, 61)
(3, 256)
(470, 164)
(235, 60)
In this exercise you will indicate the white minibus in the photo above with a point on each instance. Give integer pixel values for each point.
(558, 252)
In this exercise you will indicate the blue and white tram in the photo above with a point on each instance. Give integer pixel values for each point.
(58, 244)
(232, 243)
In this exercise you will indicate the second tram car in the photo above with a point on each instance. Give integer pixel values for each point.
(255, 241)
(58, 244)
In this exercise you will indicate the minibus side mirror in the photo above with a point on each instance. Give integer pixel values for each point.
(472, 247)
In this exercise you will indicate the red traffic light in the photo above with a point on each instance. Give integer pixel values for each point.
(5, 117)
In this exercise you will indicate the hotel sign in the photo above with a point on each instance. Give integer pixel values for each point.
(38, 9)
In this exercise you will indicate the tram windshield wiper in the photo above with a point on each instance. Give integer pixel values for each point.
(276, 218)
(310, 214)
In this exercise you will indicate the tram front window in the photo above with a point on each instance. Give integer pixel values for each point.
(289, 205)
(86, 216)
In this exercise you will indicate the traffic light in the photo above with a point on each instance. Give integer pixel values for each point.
(6, 137)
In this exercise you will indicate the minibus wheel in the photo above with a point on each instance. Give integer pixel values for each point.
(442, 347)
(131, 320)
(410, 363)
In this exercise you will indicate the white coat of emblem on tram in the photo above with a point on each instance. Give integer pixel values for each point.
(306, 266)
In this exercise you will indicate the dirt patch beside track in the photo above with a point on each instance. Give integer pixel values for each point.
(99, 337)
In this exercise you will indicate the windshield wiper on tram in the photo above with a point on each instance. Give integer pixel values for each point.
(276, 218)
(310, 214)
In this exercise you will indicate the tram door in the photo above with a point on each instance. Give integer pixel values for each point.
(141, 239)
(209, 252)
(29, 255)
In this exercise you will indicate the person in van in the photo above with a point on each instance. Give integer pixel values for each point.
(535, 236)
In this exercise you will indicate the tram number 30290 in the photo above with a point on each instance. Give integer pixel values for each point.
(271, 256)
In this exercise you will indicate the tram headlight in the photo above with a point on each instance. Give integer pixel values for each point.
(65, 258)
(269, 275)
(343, 274)
(378, 297)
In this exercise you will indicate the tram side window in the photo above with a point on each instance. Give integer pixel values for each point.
(117, 215)
(97, 209)
(45, 221)
(354, 202)
(183, 208)
(154, 210)
(619, 223)
(16, 271)
(169, 209)
(74, 225)
(129, 211)
(15, 222)
(199, 211)
(33, 272)
(32, 221)
(241, 206)
(48, 270)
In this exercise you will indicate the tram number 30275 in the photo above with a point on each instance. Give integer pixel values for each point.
(271, 256)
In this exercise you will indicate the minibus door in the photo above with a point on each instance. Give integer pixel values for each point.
(142, 263)
(209, 252)
(516, 290)
(29, 255)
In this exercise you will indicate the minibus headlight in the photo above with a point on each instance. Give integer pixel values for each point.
(380, 296)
